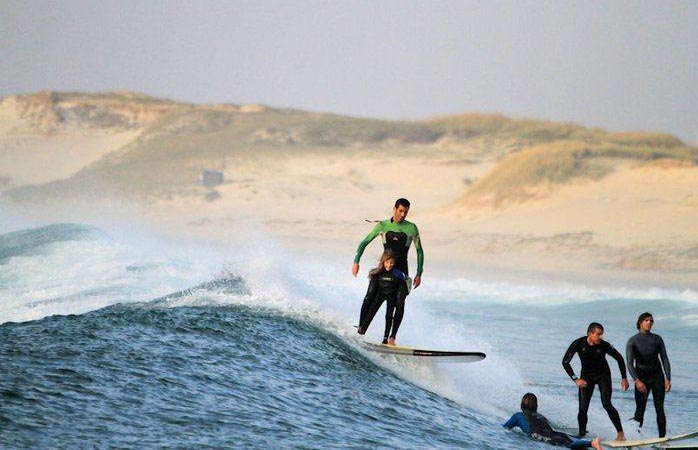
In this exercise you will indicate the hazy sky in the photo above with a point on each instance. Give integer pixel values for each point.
(615, 64)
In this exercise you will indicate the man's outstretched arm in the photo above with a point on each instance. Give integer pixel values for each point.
(615, 354)
(420, 260)
(665, 365)
(567, 358)
(630, 358)
(362, 245)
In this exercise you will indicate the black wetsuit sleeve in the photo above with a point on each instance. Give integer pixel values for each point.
(372, 290)
(665, 359)
(615, 354)
(569, 354)
(630, 358)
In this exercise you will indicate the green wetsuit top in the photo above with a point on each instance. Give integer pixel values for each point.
(397, 238)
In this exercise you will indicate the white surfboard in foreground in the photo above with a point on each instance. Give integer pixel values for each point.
(440, 355)
(651, 441)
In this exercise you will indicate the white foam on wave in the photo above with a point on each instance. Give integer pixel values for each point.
(75, 277)
(549, 292)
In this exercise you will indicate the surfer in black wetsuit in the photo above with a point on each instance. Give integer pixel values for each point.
(592, 351)
(386, 283)
(538, 427)
(643, 353)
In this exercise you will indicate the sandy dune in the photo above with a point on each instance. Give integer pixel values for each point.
(30, 159)
(626, 217)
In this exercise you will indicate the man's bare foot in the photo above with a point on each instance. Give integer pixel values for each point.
(620, 436)
(596, 444)
(391, 341)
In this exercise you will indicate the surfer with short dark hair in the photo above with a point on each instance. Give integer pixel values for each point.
(643, 353)
(397, 234)
(538, 427)
(385, 285)
(592, 351)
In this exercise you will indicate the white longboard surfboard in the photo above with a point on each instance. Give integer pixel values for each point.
(650, 441)
(440, 355)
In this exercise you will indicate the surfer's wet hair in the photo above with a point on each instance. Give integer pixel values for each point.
(402, 202)
(529, 402)
(594, 326)
(643, 316)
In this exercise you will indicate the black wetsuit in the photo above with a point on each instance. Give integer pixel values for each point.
(398, 243)
(389, 287)
(643, 352)
(595, 371)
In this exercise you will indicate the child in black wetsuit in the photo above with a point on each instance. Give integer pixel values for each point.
(386, 284)
(538, 427)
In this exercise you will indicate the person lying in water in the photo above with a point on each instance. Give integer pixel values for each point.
(387, 284)
(538, 427)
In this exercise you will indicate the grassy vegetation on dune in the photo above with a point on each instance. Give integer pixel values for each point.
(656, 140)
(178, 140)
(342, 131)
(528, 131)
(133, 98)
(214, 134)
(539, 132)
(515, 178)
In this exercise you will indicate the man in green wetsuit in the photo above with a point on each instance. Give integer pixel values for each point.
(397, 235)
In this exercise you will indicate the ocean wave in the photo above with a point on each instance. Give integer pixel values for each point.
(223, 376)
(35, 240)
(81, 276)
